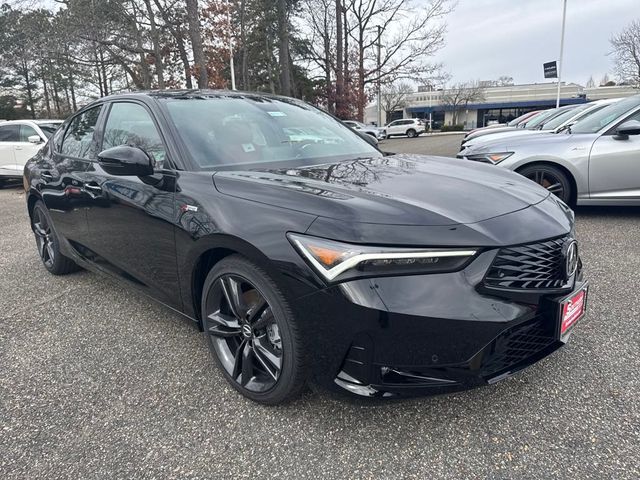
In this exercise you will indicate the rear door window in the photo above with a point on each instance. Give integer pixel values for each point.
(9, 133)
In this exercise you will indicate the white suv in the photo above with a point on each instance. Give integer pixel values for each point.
(19, 141)
(411, 127)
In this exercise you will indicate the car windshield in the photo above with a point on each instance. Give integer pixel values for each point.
(49, 128)
(602, 118)
(538, 119)
(230, 130)
(557, 121)
(519, 119)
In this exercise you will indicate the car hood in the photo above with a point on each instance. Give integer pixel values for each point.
(491, 131)
(391, 190)
(511, 134)
(543, 143)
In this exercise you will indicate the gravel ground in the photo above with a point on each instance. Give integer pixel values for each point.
(99, 382)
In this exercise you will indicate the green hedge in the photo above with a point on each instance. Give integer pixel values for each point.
(452, 128)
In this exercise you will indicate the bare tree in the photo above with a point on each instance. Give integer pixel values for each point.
(394, 96)
(591, 83)
(460, 95)
(408, 36)
(626, 47)
(195, 33)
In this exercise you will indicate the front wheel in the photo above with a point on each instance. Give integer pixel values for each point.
(551, 178)
(48, 243)
(252, 333)
(411, 133)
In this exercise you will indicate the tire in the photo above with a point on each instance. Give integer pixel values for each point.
(411, 133)
(48, 243)
(552, 178)
(242, 337)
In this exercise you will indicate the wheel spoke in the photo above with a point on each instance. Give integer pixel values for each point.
(247, 364)
(41, 243)
(555, 188)
(237, 363)
(257, 310)
(39, 230)
(262, 348)
(224, 326)
(50, 253)
(264, 319)
(232, 293)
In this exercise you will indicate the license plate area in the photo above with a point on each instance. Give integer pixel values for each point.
(571, 309)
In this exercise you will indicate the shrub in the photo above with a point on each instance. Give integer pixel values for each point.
(452, 128)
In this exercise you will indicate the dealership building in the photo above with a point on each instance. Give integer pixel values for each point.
(500, 104)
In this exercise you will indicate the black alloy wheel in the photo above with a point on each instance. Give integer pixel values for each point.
(251, 333)
(551, 178)
(411, 133)
(48, 244)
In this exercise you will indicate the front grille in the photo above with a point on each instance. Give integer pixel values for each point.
(530, 266)
(516, 346)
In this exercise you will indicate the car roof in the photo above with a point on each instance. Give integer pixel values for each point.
(31, 121)
(193, 93)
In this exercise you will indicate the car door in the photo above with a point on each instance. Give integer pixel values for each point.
(9, 135)
(394, 128)
(61, 168)
(131, 218)
(614, 165)
(24, 149)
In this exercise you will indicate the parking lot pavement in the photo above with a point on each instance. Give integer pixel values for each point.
(100, 382)
(447, 145)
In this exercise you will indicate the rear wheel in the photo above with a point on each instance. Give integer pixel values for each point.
(251, 332)
(48, 243)
(411, 133)
(551, 178)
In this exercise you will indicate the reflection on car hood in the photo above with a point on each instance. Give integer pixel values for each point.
(393, 190)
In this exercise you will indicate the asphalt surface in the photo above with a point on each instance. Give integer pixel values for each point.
(97, 381)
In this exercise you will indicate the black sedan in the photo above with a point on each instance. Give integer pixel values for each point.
(303, 252)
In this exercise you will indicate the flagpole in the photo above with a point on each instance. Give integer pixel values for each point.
(564, 18)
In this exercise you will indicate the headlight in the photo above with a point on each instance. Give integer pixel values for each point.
(489, 157)
(339, 261)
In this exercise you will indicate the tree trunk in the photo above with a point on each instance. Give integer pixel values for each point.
(361, 97)
(196, 42)
(155, 38)
(340, 107)
(269, 64)
(46, 95)
(27, 81)
(176, 31)
(103, 70)
(244, 70)
(283, 38)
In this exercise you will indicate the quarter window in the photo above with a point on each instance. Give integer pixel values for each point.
(9, 133)
(27, 131)
(131, 124)
(78, 141)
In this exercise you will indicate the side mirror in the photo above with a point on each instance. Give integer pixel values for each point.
(630, 127)
(34, 139)
(368, 138)
(125, 160)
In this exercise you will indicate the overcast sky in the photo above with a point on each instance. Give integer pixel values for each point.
(490, 38)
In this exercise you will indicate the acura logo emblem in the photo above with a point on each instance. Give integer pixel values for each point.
(246, 330)
(570, 258)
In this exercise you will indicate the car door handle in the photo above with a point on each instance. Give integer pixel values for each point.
(93, 188)
(18, 147)
(46, 176)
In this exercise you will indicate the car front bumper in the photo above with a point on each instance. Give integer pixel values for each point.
(426, 334)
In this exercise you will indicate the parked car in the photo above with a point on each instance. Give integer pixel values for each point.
(19, 141)
(375, 132)
(516, 122)
(410, 127)
(534, 123)
(557, 124)
(307, 260)
(593, 162)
